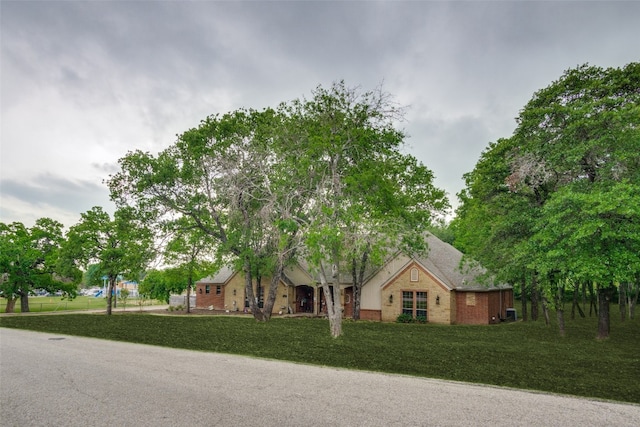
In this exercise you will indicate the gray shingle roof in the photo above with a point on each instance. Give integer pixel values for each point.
(221, 277)
(445, 262)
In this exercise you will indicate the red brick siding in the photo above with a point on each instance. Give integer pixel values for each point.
(204, 300)
(371, 315)
(486, 308)
(348, 303)
(471, 314)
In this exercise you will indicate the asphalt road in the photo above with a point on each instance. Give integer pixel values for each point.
(57, 380)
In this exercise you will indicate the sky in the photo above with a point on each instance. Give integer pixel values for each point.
(84, 82)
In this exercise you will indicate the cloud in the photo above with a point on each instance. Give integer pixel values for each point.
(48, 195)
(85, 82)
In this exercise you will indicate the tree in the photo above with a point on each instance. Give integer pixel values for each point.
(365, 197)
(187, 250)
(29, 261)
(92, 277)
(593, 235)
(573, 158)
(583, 134)
(156, 285)
(121, 245)
(221, 177)
(493, 225)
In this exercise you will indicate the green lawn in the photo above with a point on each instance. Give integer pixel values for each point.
(526, 355)
(39, 304)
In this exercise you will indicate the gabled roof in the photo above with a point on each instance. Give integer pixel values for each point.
(220, 278)
(445, 262)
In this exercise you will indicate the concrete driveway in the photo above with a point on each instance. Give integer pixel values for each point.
(57, 380)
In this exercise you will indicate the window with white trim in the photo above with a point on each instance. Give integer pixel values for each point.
(414, 303)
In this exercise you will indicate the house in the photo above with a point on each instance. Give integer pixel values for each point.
(434, 287)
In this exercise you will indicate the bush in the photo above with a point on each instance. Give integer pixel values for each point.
(407, 318)
(404, 318)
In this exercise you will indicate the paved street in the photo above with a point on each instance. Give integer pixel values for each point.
(57, 380)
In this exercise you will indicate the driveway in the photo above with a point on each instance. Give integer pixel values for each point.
(57, 380)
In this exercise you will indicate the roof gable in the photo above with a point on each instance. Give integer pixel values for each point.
(446, 263)
(220, 278)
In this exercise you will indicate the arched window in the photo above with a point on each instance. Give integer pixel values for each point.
(414, 274)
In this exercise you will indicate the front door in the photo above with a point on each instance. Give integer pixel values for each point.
(304, 299)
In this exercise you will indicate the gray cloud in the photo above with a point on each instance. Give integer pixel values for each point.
(48, 191)
(84, 82)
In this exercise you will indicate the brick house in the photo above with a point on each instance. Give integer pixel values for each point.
(434, 287)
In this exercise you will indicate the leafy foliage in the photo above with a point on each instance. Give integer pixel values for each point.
(559, 198)
(119, 246)
(322, 179)
(29, 260)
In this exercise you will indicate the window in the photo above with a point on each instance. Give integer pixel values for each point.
(414, 274)
(414, 303)
(421, 304)
(218, 289)
(207, 289)
(471, 298)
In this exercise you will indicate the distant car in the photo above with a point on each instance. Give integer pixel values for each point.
(91, 292)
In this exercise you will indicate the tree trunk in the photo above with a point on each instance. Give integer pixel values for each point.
(534, 298)
(110, 295)
(273, 290)
(593, 305)
(189, 283)
(633, 299)
(560, 309)
(356, 290)
(576, 304)
(332, 302)
(248, 285)
(545, 311)
(358, 281)
(24, 301)
(523, 295)
(11, 304)
(604, 327)
(622, 301)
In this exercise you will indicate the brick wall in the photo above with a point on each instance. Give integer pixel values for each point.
(482, 308)
(370, 315)
(205, 300)
(439, 301)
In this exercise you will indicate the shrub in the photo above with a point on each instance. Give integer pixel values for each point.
(404, 318)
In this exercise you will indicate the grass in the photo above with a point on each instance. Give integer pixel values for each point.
(526, 355)
(38, 304)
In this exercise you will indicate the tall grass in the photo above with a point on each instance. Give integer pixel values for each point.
(527, 355)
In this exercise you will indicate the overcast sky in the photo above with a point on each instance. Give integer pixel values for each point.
(85, 82)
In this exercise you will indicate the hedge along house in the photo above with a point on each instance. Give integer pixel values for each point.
(434, 288)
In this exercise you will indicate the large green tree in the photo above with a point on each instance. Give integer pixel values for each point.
(569, 176)
(190, 254)
(29, 261)
(223, 176)
(121, 246)
(322, 179)
(366, 198)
